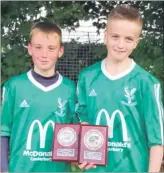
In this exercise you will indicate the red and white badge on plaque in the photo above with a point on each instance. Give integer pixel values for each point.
(93, 144)
(66, 142)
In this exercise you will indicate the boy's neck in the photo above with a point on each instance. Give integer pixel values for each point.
(45, 73)
(117, 67)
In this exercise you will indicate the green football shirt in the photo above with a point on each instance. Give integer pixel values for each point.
(29, 113)
(130, 104)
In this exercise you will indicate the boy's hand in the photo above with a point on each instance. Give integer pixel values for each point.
(87, 166)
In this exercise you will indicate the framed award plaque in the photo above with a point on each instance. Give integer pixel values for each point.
(66, 142)
(93, 144)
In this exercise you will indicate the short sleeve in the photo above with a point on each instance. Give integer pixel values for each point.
(7, 109)
(153, 114)
(81, 107)
(72, 103)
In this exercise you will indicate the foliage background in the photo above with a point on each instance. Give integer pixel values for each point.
(18, 16)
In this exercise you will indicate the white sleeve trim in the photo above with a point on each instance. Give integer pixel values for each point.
(160, 109)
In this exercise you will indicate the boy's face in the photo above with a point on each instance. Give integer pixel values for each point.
(45, 50)
(121, 37)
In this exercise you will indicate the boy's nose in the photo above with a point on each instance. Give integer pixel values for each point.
(121, 44)
(44, 55)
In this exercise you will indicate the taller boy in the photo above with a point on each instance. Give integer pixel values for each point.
(119, 93)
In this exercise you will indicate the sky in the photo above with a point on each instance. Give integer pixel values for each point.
(86, 32)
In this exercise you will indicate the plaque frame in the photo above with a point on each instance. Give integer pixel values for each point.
(70, 146)
(99, 149)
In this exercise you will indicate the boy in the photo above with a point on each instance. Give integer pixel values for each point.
(33, 102)
(119, 93)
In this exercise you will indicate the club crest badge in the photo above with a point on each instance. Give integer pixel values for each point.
(130, 97)
(61, 107)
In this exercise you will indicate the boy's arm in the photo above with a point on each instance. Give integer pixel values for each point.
(155, 160)
(81, 110)
(81, 107)
(7, 108)
(154, 122)
(72, 103)
(4, 153)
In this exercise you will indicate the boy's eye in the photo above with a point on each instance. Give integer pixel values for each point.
(115, 36)
(37, 47)
(51, 48)
(129, 39)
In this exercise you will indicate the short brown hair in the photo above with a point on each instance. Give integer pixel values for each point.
(126, 12)
(46, 27)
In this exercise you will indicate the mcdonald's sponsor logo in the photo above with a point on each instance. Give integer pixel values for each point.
(42, 131)
(110, 122)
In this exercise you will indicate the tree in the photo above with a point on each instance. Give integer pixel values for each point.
(18, 16)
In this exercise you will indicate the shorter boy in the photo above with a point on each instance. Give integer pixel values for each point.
(33, 102)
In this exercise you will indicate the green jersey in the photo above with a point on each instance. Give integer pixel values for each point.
(29, 113)
(130, 104)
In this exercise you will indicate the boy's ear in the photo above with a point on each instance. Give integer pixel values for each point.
(61, 51)
(29, 49)
(105, 37)
(137, 41)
